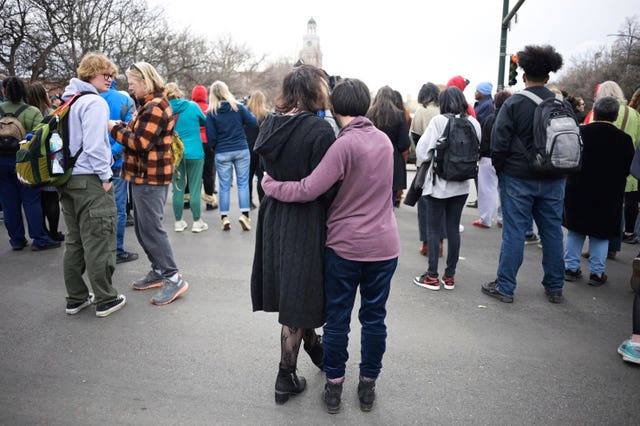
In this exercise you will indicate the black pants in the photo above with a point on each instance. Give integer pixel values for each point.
(448, 210)
(630, 210)
(50, 211)
(209, 171)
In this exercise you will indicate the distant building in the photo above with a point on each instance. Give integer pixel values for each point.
(311, 53)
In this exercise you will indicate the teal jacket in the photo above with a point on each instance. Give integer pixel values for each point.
(189, 117)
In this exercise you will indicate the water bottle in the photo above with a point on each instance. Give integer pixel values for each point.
(55, 142)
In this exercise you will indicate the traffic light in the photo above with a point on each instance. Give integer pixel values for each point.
(513, 70)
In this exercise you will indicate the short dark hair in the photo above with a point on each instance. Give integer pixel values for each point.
(14, 89)
(428, 93)
(350, 98)
(500, 97)
(305, 89)
(606, 109)
(538, 61)
(452, 101)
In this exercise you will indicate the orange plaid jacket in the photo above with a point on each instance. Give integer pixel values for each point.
(147, 142)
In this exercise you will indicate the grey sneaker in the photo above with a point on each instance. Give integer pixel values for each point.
(107, 309)
(170, 291)
(75, 307)
(531, 239)
(490, 289)
(151, 280)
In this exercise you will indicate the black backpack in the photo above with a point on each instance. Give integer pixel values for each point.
(457, 151)
(557, 145)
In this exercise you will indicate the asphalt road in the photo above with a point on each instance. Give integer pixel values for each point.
(453, 357)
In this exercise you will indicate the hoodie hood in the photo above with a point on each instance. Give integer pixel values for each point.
(76, 85)
(224, 107)
(199, 94)
(458, 81)
(275, 131)
(178, 105)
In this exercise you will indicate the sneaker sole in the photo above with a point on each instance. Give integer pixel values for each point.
(423, 285)
(446, 286)
(198, 230)
(146, 287)
(500, 297)
(175, 296)
(628, 359)
(226, 227)
(113, 309)
(366, 407)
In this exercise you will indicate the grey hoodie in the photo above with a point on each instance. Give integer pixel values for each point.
(88, 119)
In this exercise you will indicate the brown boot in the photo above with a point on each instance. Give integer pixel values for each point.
(424, 250)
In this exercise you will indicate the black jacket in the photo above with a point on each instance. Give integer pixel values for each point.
(288, 274)
(593, 196)
(512, 135)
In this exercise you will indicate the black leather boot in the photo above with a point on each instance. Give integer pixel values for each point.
(366, 394)
(332, 396)
(315, 351)
(288, 383)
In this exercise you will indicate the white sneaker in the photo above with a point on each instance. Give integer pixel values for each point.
(245, 222)
(199, 226)
(180, 226)
(461, 229)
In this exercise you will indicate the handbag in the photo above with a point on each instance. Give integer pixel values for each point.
(415, 189)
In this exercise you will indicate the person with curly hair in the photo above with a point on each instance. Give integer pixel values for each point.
(526, 194)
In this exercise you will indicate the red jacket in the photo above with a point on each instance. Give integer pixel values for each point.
(199, 96)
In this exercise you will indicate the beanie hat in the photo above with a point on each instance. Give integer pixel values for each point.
(485, 88)
(459, 82)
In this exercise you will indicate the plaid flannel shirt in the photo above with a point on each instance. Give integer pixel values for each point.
(147, 142)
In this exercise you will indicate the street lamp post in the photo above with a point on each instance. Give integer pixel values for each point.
(506, 18)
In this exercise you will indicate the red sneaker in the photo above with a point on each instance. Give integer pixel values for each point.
(448, 282)
(480, 224)
(427, 281)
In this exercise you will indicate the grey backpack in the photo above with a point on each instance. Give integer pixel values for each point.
(557, 145)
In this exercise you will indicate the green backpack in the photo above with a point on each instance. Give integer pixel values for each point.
(44, 158)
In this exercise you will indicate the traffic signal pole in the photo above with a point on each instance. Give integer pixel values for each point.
(506, 18)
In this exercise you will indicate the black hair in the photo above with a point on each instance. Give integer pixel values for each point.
(428, 93)
(606, 109)
(397, 100)
(350, 98)
(500, 97)
(538, 61)
(452, 101)
(384, 112)
(14, 89)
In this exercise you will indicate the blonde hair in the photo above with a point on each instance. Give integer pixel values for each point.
(258, 105)
(219, 92)
(94, 63)
(144, 71)
(173, 91)
(611, 88)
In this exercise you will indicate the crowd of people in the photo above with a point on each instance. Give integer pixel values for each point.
(330, 167)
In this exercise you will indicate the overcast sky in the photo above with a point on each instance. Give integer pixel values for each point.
(405, 43)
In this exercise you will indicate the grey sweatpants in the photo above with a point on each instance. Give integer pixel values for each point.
(148, 211)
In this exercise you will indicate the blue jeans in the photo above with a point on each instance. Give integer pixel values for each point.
(14, 196)
(225, 163)
(597, 252)
(342, 278)
(522, 200)
(120, 189)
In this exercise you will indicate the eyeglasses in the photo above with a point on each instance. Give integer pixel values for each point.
(108, 76)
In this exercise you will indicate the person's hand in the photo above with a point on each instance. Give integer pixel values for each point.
(112, 124)
(107, 186)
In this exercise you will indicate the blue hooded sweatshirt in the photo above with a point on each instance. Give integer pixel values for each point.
(225, 128)
(189, 117)
(120, 108)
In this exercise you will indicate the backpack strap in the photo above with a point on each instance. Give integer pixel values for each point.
(15, 114)
(528, 94)
(626, 116)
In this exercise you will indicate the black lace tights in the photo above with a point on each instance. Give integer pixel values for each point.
(290, 341)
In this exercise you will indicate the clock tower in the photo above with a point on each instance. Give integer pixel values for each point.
(311, 53)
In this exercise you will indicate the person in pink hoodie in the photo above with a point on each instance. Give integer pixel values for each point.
(199, 96)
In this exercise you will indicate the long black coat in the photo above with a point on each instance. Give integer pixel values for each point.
(399, 136)
(288, 273)
(593, 197)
